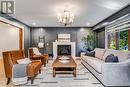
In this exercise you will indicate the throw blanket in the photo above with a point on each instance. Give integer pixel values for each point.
(19, 75)
(36, 51)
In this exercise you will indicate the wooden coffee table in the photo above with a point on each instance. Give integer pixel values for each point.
(58, 66)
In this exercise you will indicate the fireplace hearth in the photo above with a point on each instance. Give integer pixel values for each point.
(63, 50)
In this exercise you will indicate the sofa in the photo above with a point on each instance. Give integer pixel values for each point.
(109, 73)
(10, 58)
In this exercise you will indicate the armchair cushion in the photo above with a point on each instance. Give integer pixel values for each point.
(24, 61)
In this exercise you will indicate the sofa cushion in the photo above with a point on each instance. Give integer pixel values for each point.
(96, 64)
(99, 52)
(111, 58)
(108, 52)
(121, 55)
(87, 57)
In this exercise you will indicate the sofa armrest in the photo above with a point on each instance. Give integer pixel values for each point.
(116, 73)
(82, 54)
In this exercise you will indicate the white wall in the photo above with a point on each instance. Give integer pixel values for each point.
(9, 38)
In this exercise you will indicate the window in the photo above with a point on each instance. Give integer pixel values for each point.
(119, 39)
(118, 34)
(111, 40)
(123, 40)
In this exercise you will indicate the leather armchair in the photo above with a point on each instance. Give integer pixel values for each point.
(10, 58)
(34, 54)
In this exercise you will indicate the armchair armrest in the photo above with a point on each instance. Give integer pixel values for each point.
(116, 73)
(8, 64)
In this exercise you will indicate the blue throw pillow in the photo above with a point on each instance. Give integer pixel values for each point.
(111, 58)
(92, 53)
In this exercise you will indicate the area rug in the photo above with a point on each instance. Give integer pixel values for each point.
(45, 79)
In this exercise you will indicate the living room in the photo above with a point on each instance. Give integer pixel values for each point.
(82, 43)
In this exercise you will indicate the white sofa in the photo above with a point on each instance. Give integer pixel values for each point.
(110, 74)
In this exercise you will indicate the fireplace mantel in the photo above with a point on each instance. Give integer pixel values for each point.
(55, 44)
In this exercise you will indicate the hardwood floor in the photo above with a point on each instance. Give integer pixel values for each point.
(2, 76)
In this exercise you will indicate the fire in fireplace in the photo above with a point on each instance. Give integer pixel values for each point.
(63, 50)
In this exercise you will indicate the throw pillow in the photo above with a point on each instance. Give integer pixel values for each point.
(92, 53)
(24, 61)
(111, 58)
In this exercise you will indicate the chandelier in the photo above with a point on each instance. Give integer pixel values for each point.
(66, 18)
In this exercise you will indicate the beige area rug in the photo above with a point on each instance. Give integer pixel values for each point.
(45, 79)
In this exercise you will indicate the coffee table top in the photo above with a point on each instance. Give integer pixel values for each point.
(58, 64)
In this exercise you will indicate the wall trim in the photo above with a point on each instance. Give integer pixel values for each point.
(21, 30)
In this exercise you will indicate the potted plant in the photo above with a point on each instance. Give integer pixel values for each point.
(89, 42)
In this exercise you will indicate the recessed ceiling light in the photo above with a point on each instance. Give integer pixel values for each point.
(105, 23)
(82, 29)
(112, 5)
(33, 23)
(88, 24)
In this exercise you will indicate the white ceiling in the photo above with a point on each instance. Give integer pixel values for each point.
(44, 13)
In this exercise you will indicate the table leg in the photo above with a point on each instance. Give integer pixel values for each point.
(54, 72)
(74, 72)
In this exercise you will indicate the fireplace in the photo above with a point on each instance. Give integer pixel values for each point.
(56, 46)
(63, 50)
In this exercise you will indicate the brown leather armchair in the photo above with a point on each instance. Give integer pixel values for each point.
(34, 54)
(10, 58)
